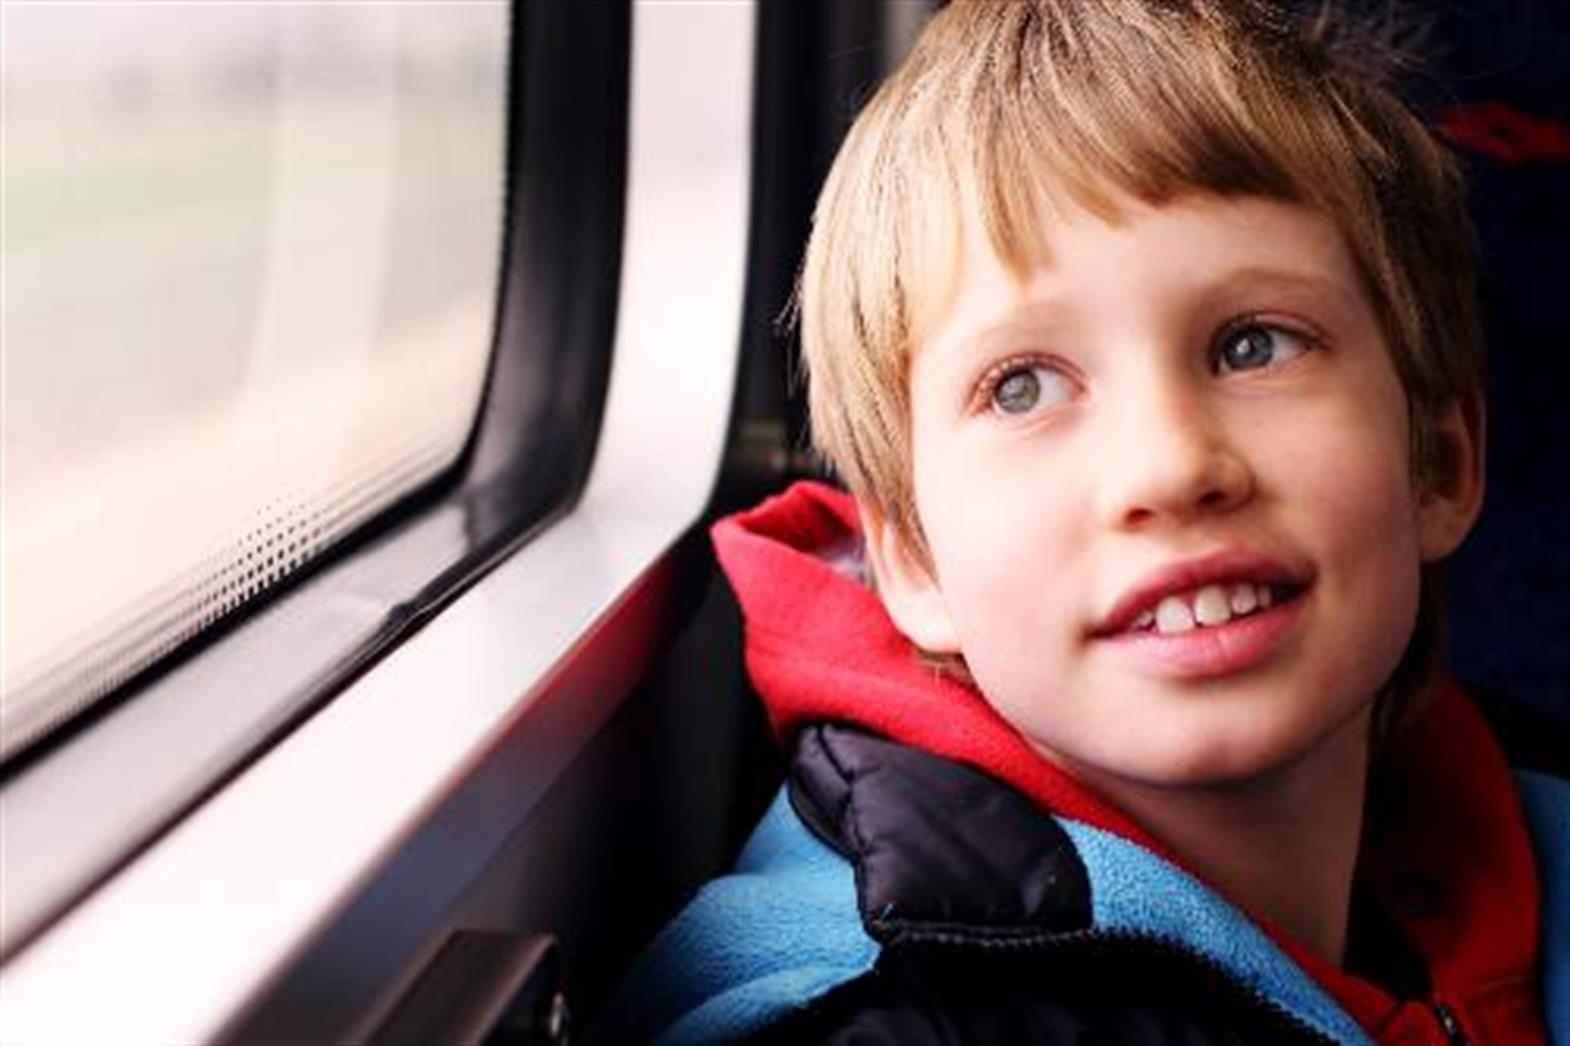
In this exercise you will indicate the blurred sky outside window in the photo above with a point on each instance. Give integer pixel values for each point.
(251, 253)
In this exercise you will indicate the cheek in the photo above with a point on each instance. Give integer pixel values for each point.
(1347, 493)
(1353, 487)
(1005, 547)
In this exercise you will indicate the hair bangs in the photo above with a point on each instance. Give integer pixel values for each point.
(1085, 108)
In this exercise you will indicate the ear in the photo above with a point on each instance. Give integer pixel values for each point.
(907, 587)
(1448, 507)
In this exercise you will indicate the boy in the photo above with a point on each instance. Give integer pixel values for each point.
(1143, 335)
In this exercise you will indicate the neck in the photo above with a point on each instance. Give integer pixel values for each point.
(1283, 846)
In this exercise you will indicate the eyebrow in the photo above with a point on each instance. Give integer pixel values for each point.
(1257, 275)
(1046, 312)
(1033, 316)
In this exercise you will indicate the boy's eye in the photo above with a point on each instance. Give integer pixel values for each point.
(1257, 346)
(1023, 388)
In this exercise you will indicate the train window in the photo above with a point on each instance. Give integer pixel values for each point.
(449, 657)
(251, 261)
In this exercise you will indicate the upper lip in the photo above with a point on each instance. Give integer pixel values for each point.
(1230, 565)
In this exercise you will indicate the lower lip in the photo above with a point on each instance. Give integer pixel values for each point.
(1206, 652)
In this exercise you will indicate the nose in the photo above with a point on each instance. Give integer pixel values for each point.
(1170, 457)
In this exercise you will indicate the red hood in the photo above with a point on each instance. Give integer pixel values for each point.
(819, 646)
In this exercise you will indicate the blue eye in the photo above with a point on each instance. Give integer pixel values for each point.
(1022, 389)
(1256, 346)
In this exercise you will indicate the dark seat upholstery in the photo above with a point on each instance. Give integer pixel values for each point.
(1502, 96)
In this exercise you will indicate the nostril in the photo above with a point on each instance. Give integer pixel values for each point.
(1137, 517)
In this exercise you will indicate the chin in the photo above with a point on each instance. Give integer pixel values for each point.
(1200, 767)
(1234, 757)
(1239, 756)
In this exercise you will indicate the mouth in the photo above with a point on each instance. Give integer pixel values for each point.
(1207, 618)
(1211, 606)
(1209, 592)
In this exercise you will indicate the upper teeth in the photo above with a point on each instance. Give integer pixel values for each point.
(1210, 605)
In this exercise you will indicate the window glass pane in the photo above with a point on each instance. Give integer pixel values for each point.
(250, 263)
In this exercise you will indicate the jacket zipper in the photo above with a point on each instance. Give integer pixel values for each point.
(1455, 1035)
(1111, 942)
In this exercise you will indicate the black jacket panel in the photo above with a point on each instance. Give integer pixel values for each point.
(984, 911)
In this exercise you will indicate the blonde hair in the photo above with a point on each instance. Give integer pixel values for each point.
(1004, 103)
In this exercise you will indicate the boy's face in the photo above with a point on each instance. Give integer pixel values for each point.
(1165, 486)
